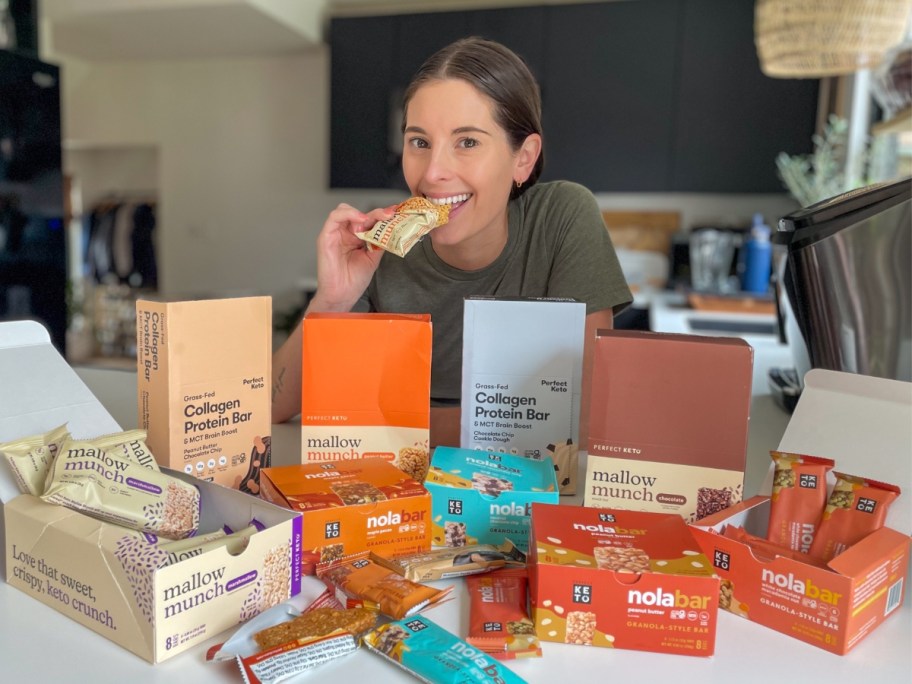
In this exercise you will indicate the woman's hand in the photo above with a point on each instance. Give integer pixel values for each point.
(344, 264)
(344, 270)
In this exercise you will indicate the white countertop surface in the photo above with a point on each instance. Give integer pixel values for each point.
(40, 645)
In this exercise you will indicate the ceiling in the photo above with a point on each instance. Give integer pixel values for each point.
(346, 7)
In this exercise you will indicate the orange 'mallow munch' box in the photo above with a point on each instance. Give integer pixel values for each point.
(366, 389)
(352, 506)
(620, 579)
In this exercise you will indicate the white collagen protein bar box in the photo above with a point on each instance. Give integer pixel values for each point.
(521, 376)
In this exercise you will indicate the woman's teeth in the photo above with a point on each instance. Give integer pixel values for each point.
(455, 199)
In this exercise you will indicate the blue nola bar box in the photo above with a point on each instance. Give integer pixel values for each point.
(486, 497)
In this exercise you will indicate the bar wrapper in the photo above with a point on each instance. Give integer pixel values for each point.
(798, 498)
(362, 580)
(294, 656)
(499, 622)
(432, 654)
(30, 458)
(414, 219)
(856, 507)
(130, 445)
(446, 563)
(106, 486)
(766, 550)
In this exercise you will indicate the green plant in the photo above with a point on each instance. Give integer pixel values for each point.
(822, 174)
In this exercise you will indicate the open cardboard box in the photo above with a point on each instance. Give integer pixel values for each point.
(863, 424)
(74, 564)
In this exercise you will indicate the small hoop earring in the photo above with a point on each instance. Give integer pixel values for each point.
(518, 184)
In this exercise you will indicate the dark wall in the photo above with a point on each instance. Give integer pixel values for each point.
(644, 95)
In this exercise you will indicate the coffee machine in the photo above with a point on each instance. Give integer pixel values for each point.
(844, 291)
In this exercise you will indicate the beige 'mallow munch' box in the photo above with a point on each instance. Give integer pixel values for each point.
(104, 576)
(522, 363)
(203, 370)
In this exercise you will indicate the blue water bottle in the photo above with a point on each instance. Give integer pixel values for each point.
(758, 258)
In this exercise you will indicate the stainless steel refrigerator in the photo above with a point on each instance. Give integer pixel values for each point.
(845, 294)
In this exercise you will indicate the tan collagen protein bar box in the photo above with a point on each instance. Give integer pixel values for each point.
(668, 422)
(521, 379)
(202, 376)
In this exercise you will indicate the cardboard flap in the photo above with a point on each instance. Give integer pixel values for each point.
(41, 392)
(864, 424)
(870, 552)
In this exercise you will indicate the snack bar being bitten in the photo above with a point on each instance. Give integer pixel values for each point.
(414, 218)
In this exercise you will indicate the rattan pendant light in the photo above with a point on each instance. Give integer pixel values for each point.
(817, 38)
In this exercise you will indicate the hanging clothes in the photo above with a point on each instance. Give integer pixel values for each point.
(119, 243)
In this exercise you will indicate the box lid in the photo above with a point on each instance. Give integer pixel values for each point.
(864, 424)
(372, 369)
(619, 540)
(40, 392)
(490, 472)
(312, 486)
(669, 398)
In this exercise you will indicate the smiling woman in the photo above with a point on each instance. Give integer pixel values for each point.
(472, 140)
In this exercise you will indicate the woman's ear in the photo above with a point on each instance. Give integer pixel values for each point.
(526, 157)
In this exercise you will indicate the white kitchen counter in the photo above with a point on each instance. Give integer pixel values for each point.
(669, 313)
(40, 645)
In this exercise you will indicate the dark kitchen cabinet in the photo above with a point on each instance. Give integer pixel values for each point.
(374, 59)
(33, 277)
(638, 96)
(610, 94)
(520, 29)
(24, 16)
(361, 74)
(731, 120)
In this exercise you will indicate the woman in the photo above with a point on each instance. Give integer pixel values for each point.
(472, 139)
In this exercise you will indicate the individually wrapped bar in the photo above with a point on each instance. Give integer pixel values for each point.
(30, 458)
(280, 643)
(109, 487)
(360, 580)
(414, 219)
(499, 622)
(857, 506)
(766, 550)
(446, 563)
(798, 497)
(432, 654)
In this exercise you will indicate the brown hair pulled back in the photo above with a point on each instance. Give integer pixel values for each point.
(498, 73)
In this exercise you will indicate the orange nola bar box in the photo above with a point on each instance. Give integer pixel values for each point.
(352, 506)
(203, 369)
(366, 388)
(620, 579)
(832, 607)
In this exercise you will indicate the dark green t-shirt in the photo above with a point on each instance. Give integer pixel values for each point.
(557, 247)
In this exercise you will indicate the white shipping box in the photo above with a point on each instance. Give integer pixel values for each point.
(865, 425)
(84, 568)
